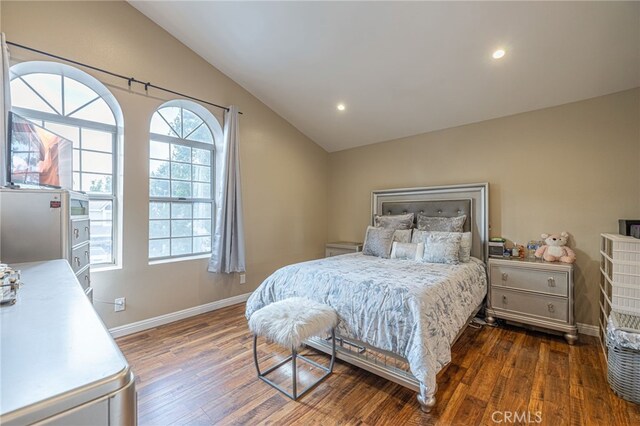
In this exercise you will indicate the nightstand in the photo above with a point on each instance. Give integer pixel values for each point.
(341, 247)
(533, 292)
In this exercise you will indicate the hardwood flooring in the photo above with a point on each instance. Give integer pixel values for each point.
(200, 371)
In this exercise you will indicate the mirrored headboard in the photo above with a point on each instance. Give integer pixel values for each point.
(446, 201)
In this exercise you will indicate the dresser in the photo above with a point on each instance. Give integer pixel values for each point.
(535, 293)
(44, 224)
(60, 365)
(342, 247)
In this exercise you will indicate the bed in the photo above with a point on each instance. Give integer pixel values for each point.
(398, 318)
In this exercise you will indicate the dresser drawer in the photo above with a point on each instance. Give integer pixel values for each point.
(551, 282)
(534, 304)
(80, 257)
(79, 231)
(84, 278)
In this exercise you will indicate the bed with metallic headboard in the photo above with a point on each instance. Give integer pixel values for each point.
(399, 318)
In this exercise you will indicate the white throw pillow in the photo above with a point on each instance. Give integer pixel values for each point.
(464, 255)
(408, 251)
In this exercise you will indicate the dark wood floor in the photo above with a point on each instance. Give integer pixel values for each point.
(200, 371)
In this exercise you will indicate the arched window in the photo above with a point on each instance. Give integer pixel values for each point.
(78, 107)
(181, 180)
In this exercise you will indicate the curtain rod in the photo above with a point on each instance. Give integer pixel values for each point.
(113, 74)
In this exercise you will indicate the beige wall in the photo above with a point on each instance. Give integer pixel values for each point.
(573, 167)
(284, 173)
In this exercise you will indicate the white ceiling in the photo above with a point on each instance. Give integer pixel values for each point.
(406, 68)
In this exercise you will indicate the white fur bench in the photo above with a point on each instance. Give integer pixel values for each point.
(289, 323)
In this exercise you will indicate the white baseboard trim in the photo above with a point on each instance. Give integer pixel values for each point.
(588, 329)
(146, 324)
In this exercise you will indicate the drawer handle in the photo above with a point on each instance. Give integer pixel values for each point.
(76, 233)
(86, 229)
(86, 254)
(77, 260)
(551, 308)
(551, 281)
(505, 276)
(504, 299)
(86, 277)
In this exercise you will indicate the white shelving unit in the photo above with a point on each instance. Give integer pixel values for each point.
(619, 278)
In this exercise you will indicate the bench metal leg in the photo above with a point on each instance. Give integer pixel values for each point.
(294, 373)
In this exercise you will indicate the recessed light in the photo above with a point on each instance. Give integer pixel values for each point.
(341, 107)
(498, 54)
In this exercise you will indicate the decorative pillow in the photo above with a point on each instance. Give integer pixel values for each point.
(396, 221)
(378, 242)
(441, 224)
(442, 248)
(418, 236)
(465, 242)
(407, 251)
(402, 236)
(465, 247)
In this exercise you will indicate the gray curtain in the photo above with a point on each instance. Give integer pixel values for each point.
(5, 107)
(227, 247)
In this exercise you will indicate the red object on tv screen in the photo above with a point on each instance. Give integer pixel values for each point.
(38, 156)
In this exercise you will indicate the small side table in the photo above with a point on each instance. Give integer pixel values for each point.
(536, 293)
(342, 247)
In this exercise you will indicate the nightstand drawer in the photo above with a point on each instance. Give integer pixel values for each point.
(333, 251)
(342, 247)
(534, 304)
(551, 282)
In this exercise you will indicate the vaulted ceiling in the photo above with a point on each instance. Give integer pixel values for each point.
(404, 68)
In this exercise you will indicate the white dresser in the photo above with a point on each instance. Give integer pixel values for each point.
(535, 293)
(45, 224)
(60, 365)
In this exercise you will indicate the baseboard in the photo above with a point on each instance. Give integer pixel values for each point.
(124, 330)
(135, 327)
(588, 329)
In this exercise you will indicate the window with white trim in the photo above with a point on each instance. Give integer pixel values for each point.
(181, 180)
(76, 106)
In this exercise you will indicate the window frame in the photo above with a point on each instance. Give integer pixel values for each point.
(168, 139)
(116, 130)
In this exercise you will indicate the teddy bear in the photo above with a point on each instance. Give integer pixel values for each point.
(555, 248)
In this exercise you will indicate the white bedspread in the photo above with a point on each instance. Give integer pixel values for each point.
(411, 309)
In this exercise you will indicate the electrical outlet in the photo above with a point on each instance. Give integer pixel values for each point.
(243, 278)
(120, 304)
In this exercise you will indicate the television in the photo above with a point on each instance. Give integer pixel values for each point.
(36, 156)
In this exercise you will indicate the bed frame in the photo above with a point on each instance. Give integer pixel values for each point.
(445, 201)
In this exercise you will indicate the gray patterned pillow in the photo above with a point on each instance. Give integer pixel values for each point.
(402, 236)
(418, 236)
(465, 242)
(465, 247)
(441, 224)
(442, 248)
(407, 251)
(378, 241)
(396, 221)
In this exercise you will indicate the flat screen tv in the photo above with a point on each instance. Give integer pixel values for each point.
(37, 156)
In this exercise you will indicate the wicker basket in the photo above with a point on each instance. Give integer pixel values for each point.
(624, 372)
